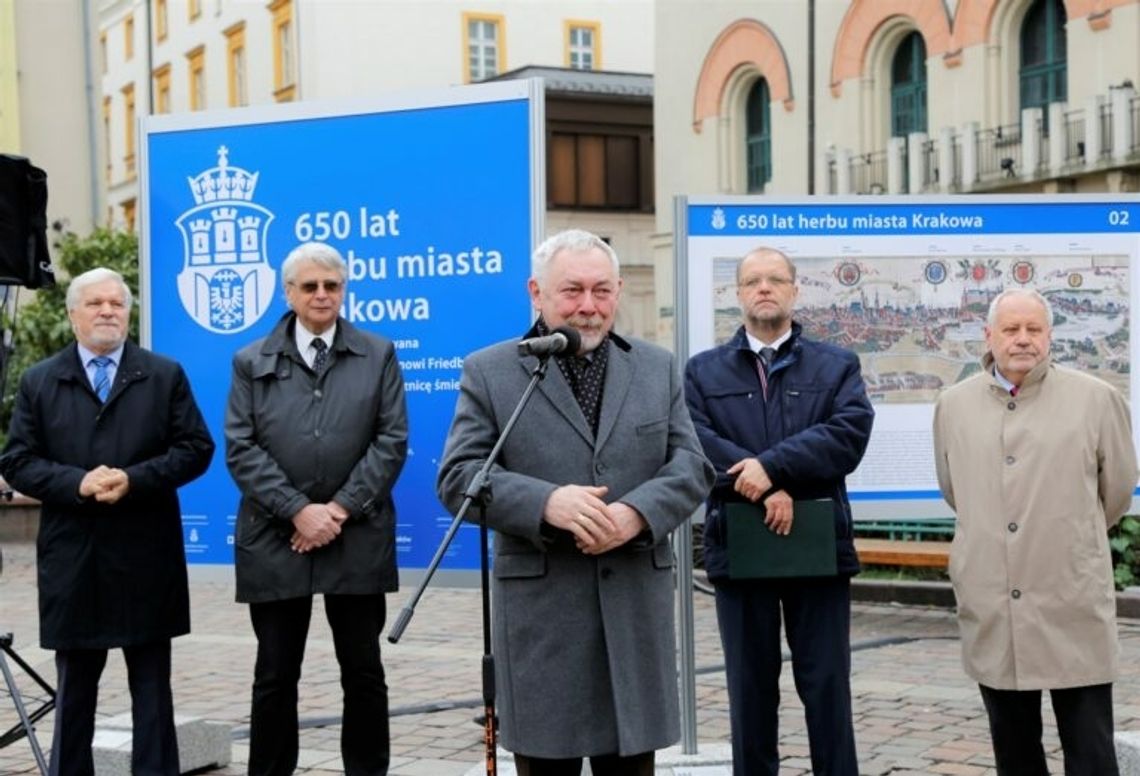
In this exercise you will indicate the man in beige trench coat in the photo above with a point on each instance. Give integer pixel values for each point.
(1038, 462)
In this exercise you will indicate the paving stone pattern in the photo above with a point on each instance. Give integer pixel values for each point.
(915, 711)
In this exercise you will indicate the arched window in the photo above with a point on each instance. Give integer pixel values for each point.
(908, 87)
(758, 136)
(1043, 70)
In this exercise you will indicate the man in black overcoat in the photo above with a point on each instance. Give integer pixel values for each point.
(103, 434)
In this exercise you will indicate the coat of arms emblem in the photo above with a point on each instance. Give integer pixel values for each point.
(226, 283)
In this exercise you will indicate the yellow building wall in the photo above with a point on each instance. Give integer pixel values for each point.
(9, 88)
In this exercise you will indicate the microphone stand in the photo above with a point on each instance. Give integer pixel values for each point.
(478, 490)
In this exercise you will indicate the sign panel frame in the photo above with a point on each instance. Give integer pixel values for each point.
(434, 197)
(880, 270)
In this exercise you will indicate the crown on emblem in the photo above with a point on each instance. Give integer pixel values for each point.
(223, 183)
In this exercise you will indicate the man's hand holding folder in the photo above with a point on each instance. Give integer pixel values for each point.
(752, 482)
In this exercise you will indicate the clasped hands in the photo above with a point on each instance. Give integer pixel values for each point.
(104, 484)
(753, 482)
(317, 525)
(597, 527)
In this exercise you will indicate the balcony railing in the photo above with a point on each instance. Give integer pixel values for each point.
(1104, 122)
(1074, 138)
(869, 173)
(999, 153)
(1001, 156)
(930, 170)
(956, 163)
(1134, 145)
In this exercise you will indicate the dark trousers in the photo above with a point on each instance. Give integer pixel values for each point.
(154, 746)
(600, 765)
(817, 621)
(282, 628)
(1084, 722)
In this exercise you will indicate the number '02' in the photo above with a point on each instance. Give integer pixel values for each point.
(1118, 217)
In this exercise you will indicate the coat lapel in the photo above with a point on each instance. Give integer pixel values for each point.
(67, 367)
(129, 371)
(619, 376)
(557, 391)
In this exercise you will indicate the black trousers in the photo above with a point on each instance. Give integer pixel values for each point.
(817, 622)
(282, 628)
(600, 765)
(1084, 722)
(154, 746)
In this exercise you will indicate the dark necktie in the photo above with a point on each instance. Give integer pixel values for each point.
(322, 356)
(102, 382)
(767, 356)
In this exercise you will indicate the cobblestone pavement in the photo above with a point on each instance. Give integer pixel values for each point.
(915, 711)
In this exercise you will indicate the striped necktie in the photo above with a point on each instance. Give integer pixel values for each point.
(763, 365)
(102, 383)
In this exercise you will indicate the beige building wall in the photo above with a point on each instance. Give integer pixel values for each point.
(343, 49)
(43, 101)
(9, 91)
(709, 52)
(1108, 57)
(397, 44)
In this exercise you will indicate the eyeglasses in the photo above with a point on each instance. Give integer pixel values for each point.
(775, 281)
(311, 286)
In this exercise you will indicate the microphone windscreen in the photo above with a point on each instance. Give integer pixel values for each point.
(573, 339)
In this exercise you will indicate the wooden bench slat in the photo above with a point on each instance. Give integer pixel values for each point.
(890, 552)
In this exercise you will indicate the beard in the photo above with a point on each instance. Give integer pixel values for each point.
(593, 330)
(768, 316)
(105, 338)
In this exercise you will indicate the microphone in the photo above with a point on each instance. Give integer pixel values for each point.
(562, 340)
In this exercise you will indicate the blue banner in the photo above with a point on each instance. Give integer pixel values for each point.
(836, 219)
(432, 207)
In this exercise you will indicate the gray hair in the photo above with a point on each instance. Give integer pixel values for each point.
(318, 253)
(569, 240)
(991, 316)
(763, 249)
(93, 277)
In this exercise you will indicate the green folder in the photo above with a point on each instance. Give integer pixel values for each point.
(755, 552)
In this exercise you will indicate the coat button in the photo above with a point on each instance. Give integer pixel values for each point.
(1009, 459)
(607, 572)
(317, 393)
(317, 433)
(600, 467)
(1012, 527)
(1015, 594)
(1012, 405)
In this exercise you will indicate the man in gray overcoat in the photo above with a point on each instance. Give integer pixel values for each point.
(316, 435)
(601, 467)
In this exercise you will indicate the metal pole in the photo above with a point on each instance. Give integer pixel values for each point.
(149, 61)
(683, 536)
(811, 96)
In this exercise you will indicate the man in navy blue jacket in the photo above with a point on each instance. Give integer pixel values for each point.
(782, 418)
